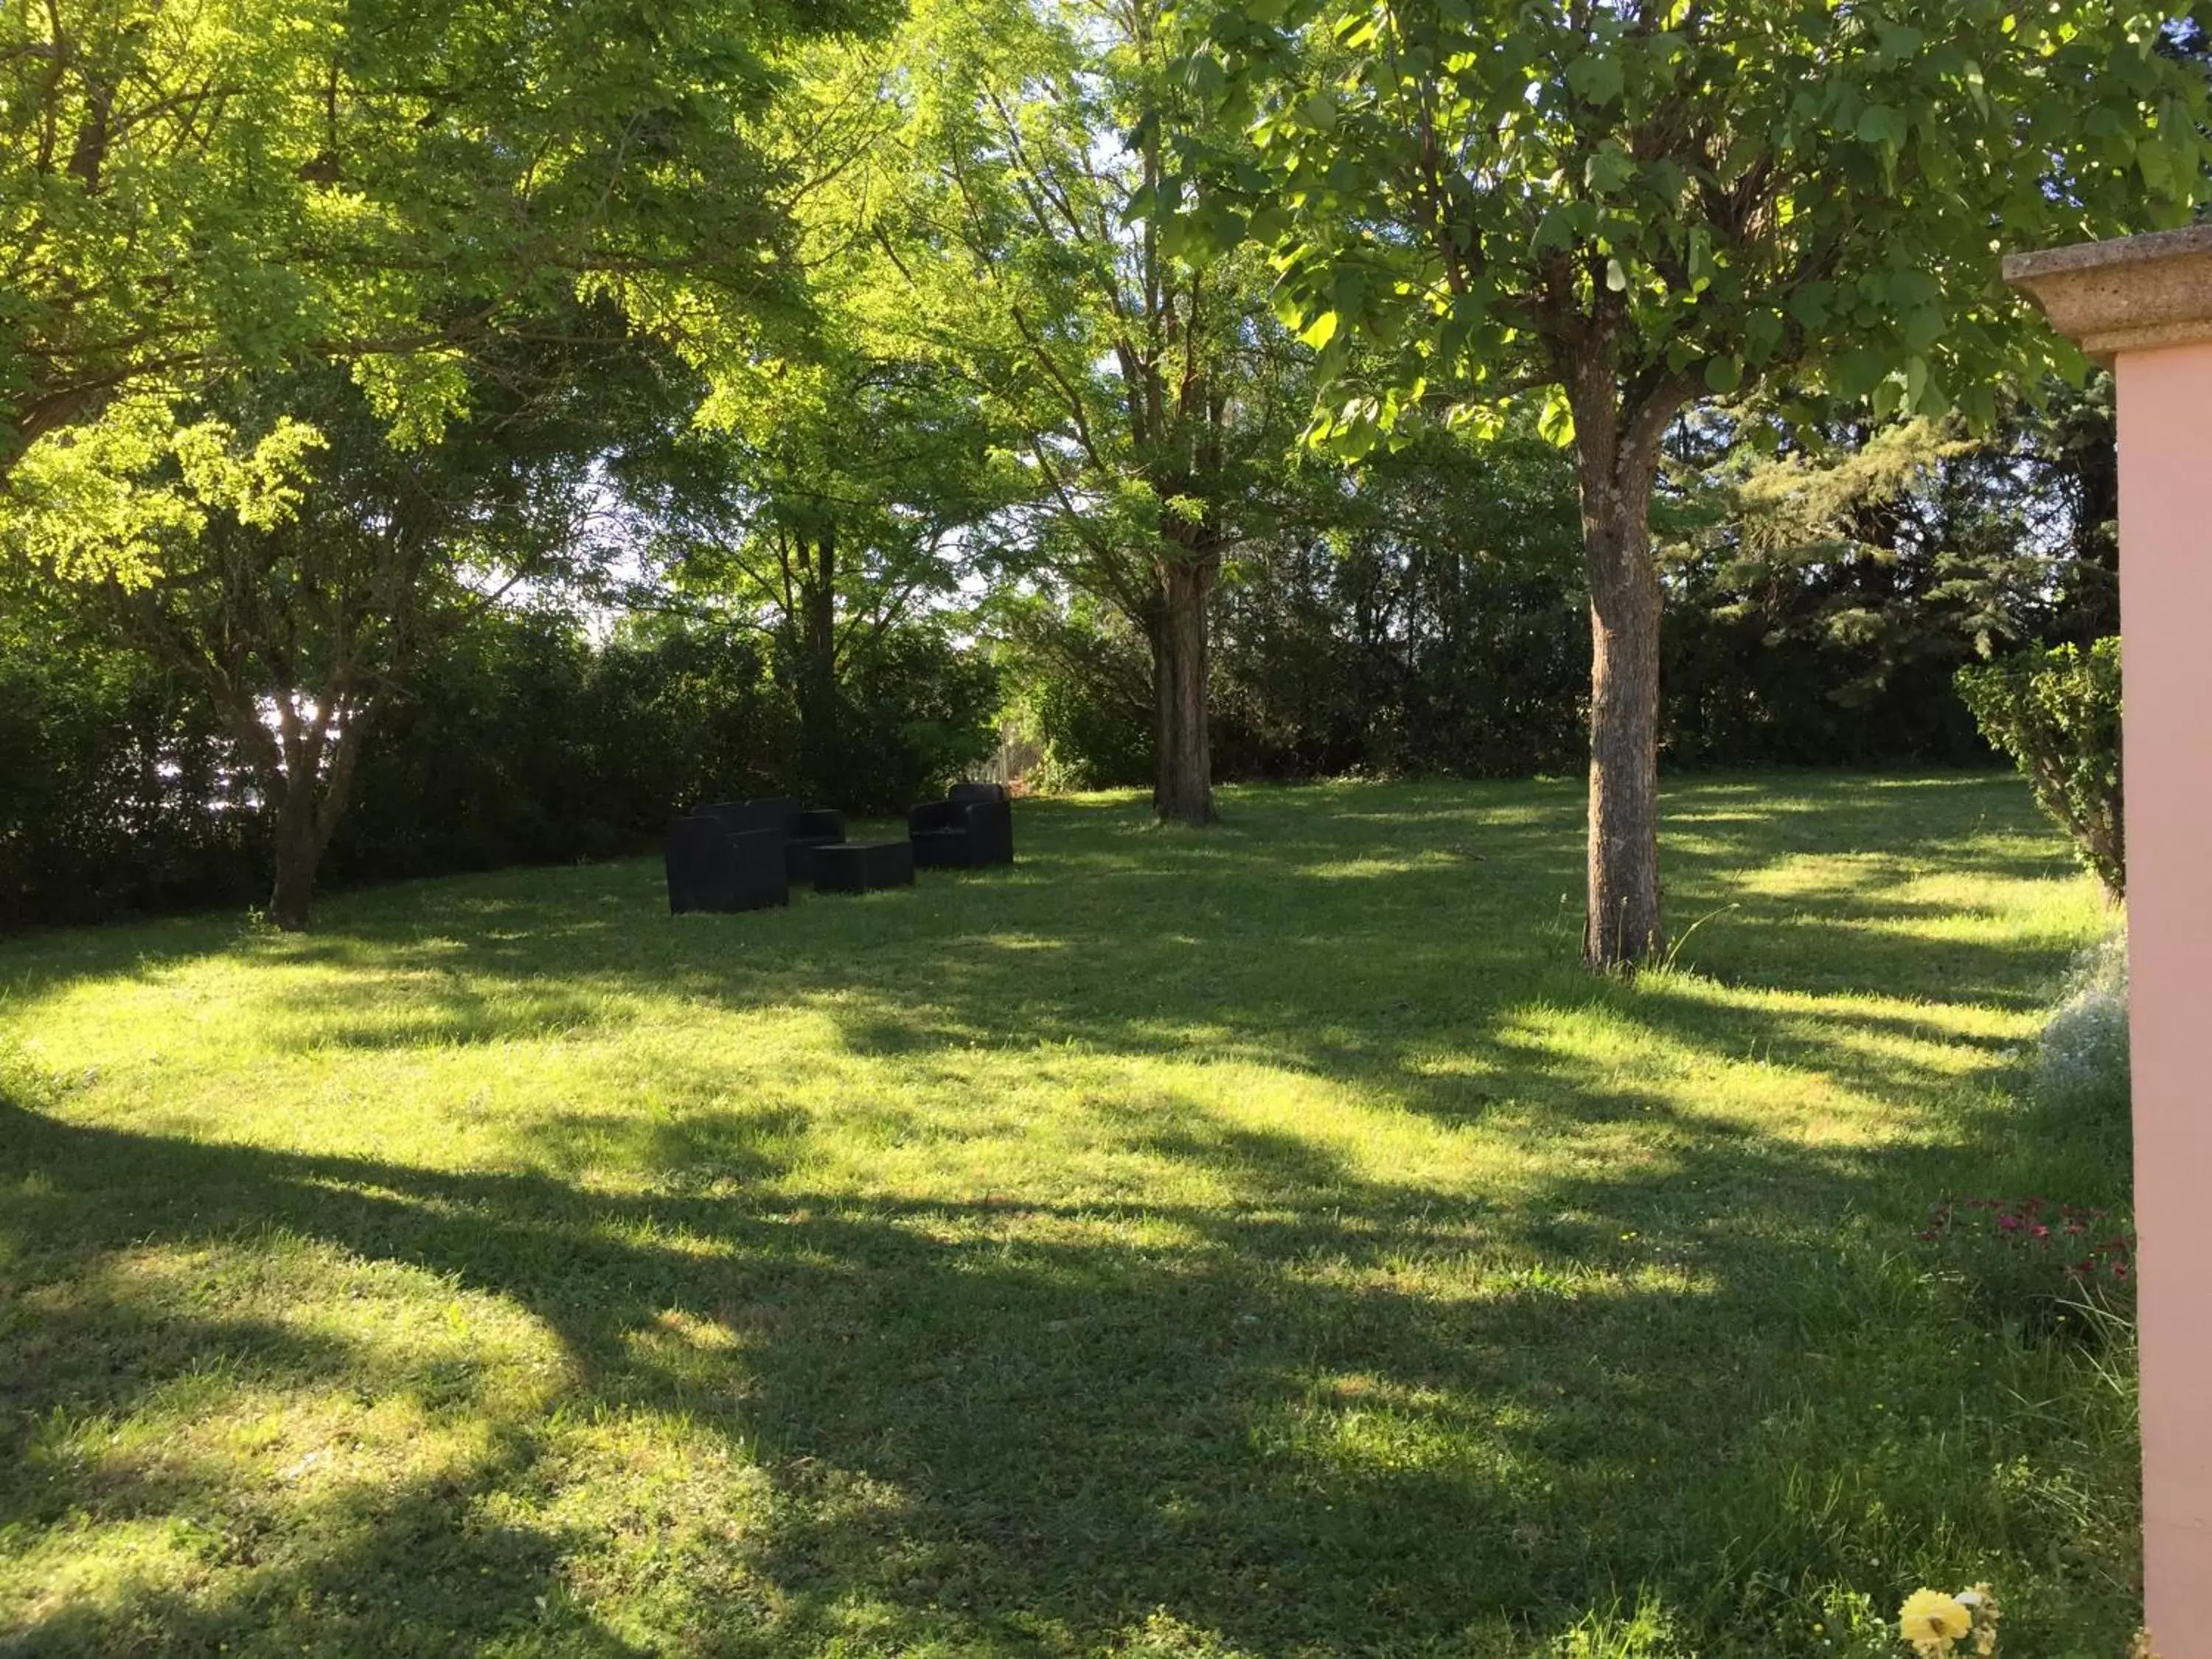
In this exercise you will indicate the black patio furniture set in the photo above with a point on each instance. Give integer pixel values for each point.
(747, 854)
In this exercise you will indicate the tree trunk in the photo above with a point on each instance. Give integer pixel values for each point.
(311, 798)
(821, 742)
(1624, 925)
(1184, 791)
(299, 851)
(1618, 460)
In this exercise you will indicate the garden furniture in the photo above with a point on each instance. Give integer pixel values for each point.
(863, 867)
(973, 826)
(712, 868)
(803, 829)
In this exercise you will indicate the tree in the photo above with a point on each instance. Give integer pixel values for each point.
(203, 204)
(826, 504)
(1640, 203)
(1008, 212)
(252, 183)
(1420, 612)
(1897, 551)
(299, 602)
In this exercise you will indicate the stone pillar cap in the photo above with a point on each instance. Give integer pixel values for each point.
(2123, 295)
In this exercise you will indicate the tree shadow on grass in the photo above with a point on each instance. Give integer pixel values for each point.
(1009, 1427)
(1325, 1410)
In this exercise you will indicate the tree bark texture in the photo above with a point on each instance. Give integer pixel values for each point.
(1184, 791)
(1617, 454)
(298, 855)
(1625, 924)
(821, 741)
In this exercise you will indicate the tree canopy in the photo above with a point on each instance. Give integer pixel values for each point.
(1708, 195)
(249, 183)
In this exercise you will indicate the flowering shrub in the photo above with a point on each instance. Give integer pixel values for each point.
(2083, 1057)
(1935, 1625)
(2038, 1266)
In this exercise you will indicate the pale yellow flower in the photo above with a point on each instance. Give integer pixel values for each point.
(1981, 1605)
(1931, 1620)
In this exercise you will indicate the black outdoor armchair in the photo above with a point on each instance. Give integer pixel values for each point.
(803, 829)
(713, 868)
(973, 826)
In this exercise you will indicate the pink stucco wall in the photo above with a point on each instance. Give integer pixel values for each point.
(2166, 600)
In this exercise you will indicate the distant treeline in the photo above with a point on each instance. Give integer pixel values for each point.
(1819, 608)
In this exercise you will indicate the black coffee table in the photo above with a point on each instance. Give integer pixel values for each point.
(862, 866)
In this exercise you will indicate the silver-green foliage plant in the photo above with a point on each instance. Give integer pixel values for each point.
(2082, 1060)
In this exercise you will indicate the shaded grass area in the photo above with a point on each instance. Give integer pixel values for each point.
(1262, 1242)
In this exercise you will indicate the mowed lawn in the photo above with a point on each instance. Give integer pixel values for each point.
(1264, 1242)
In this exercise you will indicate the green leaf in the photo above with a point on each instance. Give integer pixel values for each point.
(1609, 170)
(1268, 224)
(1923, 327)
(1556, 229)
(1598, 78)
(1555, 424)
(1859, 371)
(1723, 374)
(1317, 112)
(1880, 125)
(1900, 42)
(1916, 381)
(1809, 304)
(1914, 288)
(1702, 267)
(1320, 331)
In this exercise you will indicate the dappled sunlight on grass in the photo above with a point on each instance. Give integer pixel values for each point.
(1269, 1235)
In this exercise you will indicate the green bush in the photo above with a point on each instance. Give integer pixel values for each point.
(2056, 713)
(521, 742)
(519, 739)
(1078, 685)
(915, 712)
(119, 792)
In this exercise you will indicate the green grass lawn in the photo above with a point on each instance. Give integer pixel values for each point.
(1265, 1241)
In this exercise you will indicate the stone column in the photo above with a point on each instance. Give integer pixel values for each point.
(2144, 307)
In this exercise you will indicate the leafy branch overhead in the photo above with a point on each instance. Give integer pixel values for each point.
(186, 191)
(1707, 194)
